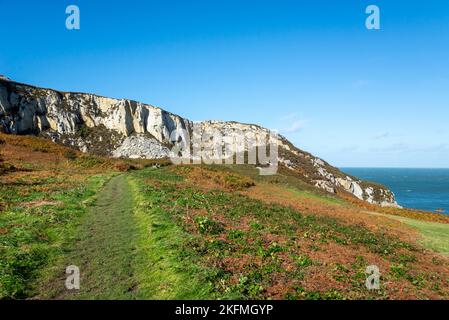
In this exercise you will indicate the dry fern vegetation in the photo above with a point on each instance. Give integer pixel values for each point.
(216, 232)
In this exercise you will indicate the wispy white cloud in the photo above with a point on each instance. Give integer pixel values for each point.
(296, 126)
(395, 147)
(290, 116)
(403, 147)
(347, 149)
(381, 135)
(292, 124)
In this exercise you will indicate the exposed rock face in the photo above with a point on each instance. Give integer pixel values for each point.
(141, 146)
(124, 128)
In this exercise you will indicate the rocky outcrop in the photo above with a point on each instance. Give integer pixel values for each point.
(124, 128)
(140, 146)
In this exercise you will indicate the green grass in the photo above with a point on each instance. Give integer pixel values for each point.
(150, 234)
(128, 247)
(435, 235)
(166, 268)
(104, 248)
(124, 241)
(36, 236)
(195, 248)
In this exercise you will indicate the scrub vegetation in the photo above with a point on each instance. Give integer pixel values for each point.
(147, 230)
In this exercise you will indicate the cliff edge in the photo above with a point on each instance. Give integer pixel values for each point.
(125, 128)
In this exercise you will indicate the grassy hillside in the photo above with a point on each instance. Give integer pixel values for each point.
(434, 235)
(143, 230)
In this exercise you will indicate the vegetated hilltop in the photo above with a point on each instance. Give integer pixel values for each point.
(146, 229)
(129, 129)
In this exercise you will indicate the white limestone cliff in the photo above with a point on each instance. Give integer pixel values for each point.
(124, 128)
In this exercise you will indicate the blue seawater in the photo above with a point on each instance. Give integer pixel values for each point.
(424, 189)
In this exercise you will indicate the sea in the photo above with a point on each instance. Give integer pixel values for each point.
(423, 189)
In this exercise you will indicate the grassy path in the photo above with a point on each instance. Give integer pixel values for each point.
(127, 247)
(152, 234)
(106, 246)
(435, 235)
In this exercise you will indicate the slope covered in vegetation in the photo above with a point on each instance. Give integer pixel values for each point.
(143, 230)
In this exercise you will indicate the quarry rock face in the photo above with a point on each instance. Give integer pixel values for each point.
(141, 146)
(129, 129)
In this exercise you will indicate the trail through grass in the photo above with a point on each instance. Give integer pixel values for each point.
(436, 235)
(128, 247)
(37, 224)
(106, 245)
(159, 234)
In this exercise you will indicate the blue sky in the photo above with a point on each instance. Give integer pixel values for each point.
(310, 69)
